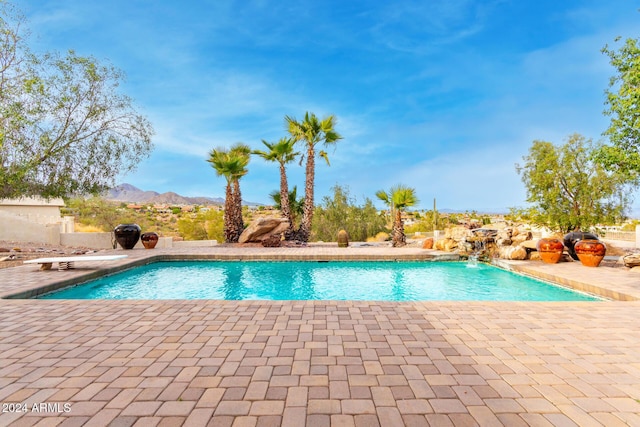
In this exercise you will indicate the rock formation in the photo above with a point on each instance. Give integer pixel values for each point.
(506, 242)
(263, 228)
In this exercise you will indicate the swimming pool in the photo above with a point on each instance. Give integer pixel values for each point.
(305, 280)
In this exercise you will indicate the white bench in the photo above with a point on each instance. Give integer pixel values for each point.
(66, 262)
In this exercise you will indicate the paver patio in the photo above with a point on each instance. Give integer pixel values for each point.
(316, 363)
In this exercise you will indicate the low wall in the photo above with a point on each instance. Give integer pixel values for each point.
(87, 240)
(104, 241)
(19, 229)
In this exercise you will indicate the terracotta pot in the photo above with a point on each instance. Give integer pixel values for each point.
(550, 250)
(127, 235)
(149, 240)
(590, 252)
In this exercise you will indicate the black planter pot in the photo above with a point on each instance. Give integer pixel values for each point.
(127, 235)
(574, 237)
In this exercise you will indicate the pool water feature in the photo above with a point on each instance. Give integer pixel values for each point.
(305, 280)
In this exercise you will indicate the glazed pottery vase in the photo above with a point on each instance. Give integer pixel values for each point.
(127, 235)
(550, 250)
(149, 240)
(590, 252)
(570, 239)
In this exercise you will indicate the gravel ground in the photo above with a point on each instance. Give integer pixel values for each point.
(13, 253)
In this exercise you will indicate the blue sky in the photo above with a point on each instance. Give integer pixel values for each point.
(444, 96)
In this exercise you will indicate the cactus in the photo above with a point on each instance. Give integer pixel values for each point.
(343, 239)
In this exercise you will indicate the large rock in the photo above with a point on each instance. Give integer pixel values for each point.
(530, 244)
(631, 260)
(427, 243)
(446, 245)
(457, 233)
(521, 237)
(512, 252)
(263, 228)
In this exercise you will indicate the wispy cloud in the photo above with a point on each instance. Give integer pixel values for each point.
(443, 96)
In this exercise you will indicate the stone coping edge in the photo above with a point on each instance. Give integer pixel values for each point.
(575, 285)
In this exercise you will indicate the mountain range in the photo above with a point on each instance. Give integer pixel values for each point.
(129, 193)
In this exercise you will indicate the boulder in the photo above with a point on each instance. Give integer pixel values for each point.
(446, 245)
(427, 243)
(530, 244)
(457, 233)
(521, 237)
(631, 260)
(512, 252)
(273, 241)
(263, 228)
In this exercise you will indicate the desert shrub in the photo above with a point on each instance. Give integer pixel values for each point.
(342, 212)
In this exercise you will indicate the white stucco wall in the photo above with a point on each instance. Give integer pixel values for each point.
(20, 229)
(34, 208)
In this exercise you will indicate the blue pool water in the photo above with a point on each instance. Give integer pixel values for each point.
(371, 281)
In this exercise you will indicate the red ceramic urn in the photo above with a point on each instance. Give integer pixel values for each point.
(149, 240)
(590, 252)
(550, 250)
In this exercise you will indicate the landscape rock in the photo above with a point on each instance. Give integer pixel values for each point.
(520, 237)
(457, 233)
(631, 260)
(446, 245)
(530, 244)
(427, 243)
(273, 241)
(263, 228)
(512, 252)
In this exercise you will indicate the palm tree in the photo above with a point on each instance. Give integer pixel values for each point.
(232, 165)
(283, 153)
(242, 152)
(311, 131)
(398, 198)
(296, 206)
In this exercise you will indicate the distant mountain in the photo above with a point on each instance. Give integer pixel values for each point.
(129, 193)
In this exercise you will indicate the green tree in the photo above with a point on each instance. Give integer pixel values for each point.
(205, 225)
(568, 189)
(282, 152)
(232, 165)
(341, 211)
(65, 128)
(310, 132)
(399, 198)
(623, 105)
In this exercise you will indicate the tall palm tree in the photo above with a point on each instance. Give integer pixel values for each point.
(311, 131)
(232, 165)
(242, 152)
(283, 153)
(399, 198)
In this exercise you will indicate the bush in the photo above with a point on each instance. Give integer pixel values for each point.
(342, 212)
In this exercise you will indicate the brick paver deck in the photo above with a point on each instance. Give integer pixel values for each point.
(316, 363)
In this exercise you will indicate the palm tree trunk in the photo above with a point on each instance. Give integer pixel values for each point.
(398, 236)
(237, 211)
(307, 214)
(228, 214)
(284, 201)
